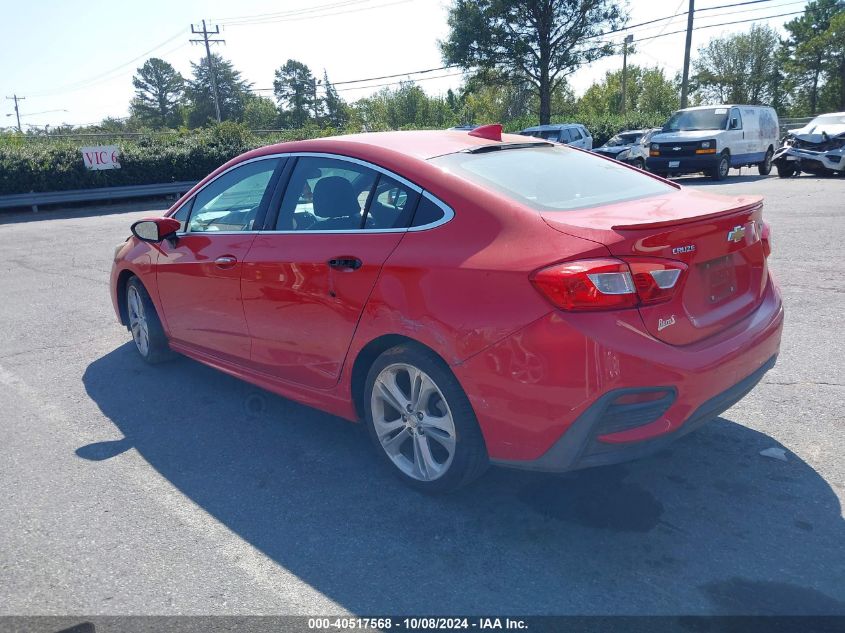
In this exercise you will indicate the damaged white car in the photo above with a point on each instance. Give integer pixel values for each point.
(817, 148)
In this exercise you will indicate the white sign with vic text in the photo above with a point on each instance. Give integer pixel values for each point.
(101, 157)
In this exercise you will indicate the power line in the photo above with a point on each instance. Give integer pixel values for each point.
(297, 17)
(205, 33)
(290, 13)
(97, 78)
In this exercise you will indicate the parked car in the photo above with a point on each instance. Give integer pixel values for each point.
(464, 126)
(816, 148)
(712, 139)
(472, 297)
(573, 134)
(630, 146)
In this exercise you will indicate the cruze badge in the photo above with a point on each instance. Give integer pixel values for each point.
(689, 248)
(736, 233)
(662, 324)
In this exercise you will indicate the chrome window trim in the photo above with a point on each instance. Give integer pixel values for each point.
(448, 213)
(222, 173)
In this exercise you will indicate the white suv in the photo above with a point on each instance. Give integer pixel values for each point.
(573, 134)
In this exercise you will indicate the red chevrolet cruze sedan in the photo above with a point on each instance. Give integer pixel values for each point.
(473, 297)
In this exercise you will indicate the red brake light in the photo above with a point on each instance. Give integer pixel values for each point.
(656, 280)
(609, 284)
(766, 238)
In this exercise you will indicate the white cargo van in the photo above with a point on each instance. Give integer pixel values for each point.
(712, 139)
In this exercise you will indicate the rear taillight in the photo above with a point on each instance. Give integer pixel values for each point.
(609, 284)
(766, 238)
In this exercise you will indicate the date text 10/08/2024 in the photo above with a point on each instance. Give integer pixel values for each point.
(418, 623)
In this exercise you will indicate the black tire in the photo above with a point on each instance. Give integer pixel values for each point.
(639, 163)
(786, 169)
(765, 168)
(720, 171)
(157, 349)
(469, 460)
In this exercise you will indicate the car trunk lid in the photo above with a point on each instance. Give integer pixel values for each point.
(718, 238)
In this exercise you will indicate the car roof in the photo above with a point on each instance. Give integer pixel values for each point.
(551, 126)
(725, 105)
(419, 144)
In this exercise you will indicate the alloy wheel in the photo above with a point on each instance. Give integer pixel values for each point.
(413, 422)
(138, 321)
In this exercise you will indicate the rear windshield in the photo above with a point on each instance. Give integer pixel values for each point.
(552, 178)
(691, 120)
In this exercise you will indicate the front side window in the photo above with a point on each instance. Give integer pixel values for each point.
(552, 178)
(576, 133)
(231, 202)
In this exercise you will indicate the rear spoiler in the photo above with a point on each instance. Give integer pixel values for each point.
(752, 206)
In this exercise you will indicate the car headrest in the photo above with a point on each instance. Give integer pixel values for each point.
(334, 197)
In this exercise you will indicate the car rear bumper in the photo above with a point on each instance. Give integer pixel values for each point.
(582, 446)
(686, 164)
(544, 397)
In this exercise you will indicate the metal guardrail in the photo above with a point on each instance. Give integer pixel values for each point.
(34, 200)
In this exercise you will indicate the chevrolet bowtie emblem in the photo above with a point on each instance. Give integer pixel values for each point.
(676, 149)
(736, 233)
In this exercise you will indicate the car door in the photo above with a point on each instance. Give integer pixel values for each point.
(308, 276)
(199, 273)
(735, 136)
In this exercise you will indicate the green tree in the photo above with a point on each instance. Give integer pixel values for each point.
(159, 90)
(833, 41)
(296, 93)
(809, 52)
(232, 91)
(538, 41)
(647, 90)
(738, 68)
(336, 110)
(260, 113)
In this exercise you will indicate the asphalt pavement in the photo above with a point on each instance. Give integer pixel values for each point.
(130, 489)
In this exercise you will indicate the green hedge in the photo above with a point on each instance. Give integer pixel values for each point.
(47, 164)
(41, 165)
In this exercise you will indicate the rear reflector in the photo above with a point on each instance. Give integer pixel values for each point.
(766, 239)
(638, 397)
(608, 284)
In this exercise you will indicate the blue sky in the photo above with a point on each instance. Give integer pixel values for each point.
(74, 61)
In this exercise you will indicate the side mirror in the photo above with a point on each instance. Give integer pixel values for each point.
(734, 123)
(155, 230)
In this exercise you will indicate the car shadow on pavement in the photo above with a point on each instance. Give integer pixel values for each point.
(707, 526)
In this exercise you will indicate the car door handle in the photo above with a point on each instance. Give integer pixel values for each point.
(226, 261)
(345, 263)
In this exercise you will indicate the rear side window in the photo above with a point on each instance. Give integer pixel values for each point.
(428, 212)
(392, 205)
(552, 178)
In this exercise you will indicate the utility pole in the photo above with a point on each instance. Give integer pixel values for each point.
(205, 33)
(16, 98)
(314, 83)
(685, 80)
(628, 39)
